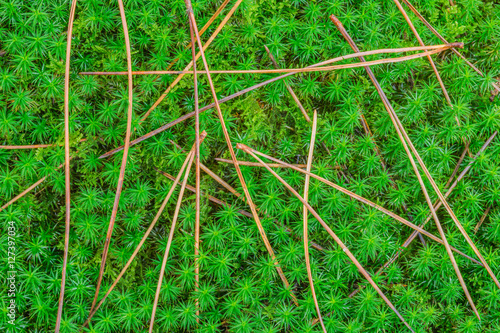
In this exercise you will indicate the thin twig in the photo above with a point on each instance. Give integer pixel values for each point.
(125, 154)
(333, 235)
(67, 184)
(305, 213)
(28, 146)
(26, 191)
(148, 231)
(436, 72)
(222, 182)
(233, 155)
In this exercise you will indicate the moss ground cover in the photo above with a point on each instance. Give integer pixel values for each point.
(240, 289)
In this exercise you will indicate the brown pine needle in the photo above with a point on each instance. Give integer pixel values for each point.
(285, 165)
(148, 231)
(197, 171)
(197, 189)
(290, 90)
(438, 35)
(305, 213)
(457, 167)
(405, 139)
(233, 155)
(299, 104)
(222, 182)
(29, 189)
(333, 235)
(271, 165)
(242, 212)
(124, 158)
(244, 91)
(34, 146)
(202, 31)
(28, 146)
(67, 184)
(376, 149)
(181, 74)
(26, 191)
(482, 220)
(433, 65)
(239, 196)
(309, 69)
(357, 197)
(169, 243)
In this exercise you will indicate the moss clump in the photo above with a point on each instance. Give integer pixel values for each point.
(240, 290)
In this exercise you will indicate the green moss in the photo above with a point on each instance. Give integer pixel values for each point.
(240, 288)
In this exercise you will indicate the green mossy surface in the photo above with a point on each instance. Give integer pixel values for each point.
(240, 290)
